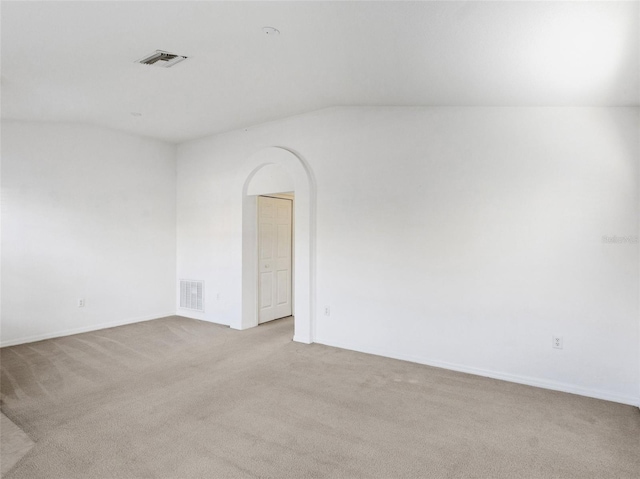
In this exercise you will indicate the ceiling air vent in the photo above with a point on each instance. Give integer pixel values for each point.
(160, 58)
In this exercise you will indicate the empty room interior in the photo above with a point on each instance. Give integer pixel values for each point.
(319, 239)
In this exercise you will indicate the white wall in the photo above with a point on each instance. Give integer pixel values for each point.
(461, 237)
(86, 213)
(270, 179)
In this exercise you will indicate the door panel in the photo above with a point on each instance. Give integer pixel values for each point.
(274, 238)
(284, 241)
(266, 280)
(266, 241)
(283, 294)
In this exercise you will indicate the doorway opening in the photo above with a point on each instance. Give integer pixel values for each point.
(269, 172)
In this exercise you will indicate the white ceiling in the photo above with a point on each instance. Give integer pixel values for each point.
(74, 61)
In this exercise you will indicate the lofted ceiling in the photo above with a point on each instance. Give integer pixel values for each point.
(75, 61)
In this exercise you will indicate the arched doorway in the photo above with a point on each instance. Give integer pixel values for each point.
(304, 231)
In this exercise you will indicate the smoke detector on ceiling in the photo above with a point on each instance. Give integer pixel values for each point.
(160, 58)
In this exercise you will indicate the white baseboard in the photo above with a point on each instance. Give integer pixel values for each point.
(219, 323)
(200, 316)
(84, 329)
(304, 340)
(514, 378)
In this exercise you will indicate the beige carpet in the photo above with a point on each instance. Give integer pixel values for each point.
(14, 444)
(178, 398)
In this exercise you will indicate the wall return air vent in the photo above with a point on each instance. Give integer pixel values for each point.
(192, 295)
(162, 59)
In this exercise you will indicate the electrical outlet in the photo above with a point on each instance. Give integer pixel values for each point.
(557, 342)
(327, 311)
(81, 303)
(218, 297)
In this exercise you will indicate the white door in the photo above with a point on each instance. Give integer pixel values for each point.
(274, 258)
